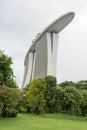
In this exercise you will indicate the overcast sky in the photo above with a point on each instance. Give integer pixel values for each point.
(22, 20)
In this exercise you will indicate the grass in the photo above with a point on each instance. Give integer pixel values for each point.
(44, 122)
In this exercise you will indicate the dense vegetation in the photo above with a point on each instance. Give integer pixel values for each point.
(6, 72)
(10, 95)
(43, 95)
(9, 99)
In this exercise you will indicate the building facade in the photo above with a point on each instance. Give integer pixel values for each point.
(41, 59)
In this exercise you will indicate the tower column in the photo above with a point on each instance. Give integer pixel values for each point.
(52, 45)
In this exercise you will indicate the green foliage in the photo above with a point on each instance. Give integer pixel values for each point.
(11, 96)
(23, 106)
(75, 98)
(51, 81)
(6, 72)
(67, 83)
(71, 100)
(9, 113)
(35, 96)
(81, 85)
(78, 85)
(50, 93)
(59, 94)
(43, 95)
(9, 99)
(83, 104)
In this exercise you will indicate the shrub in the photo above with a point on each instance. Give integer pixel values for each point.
(9, 113)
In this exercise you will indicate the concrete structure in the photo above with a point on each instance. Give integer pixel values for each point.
(41, 58)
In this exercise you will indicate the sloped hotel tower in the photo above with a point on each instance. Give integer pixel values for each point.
(41, 58)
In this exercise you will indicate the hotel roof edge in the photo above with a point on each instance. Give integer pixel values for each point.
(70, 15)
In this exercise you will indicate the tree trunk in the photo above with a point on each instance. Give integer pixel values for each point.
(73, 109)
(1, 89)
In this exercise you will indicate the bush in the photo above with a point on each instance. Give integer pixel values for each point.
(10, 99)
(9, 113)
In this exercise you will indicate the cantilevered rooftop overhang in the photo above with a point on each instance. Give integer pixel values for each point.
(57, 26)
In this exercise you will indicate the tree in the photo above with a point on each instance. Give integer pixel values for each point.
(71, 100)
(67, 83)
(23, 105)
(10, 99)
(6, 72)
(83, 104)
(59, 94)
(81, 85)
(50, 93)
(35, 96)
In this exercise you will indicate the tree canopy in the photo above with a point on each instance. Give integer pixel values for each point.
(9, 100)
(44, 95)
(6, 72)
(35, 96)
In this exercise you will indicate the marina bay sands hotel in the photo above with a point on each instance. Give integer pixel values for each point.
(41, 58)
